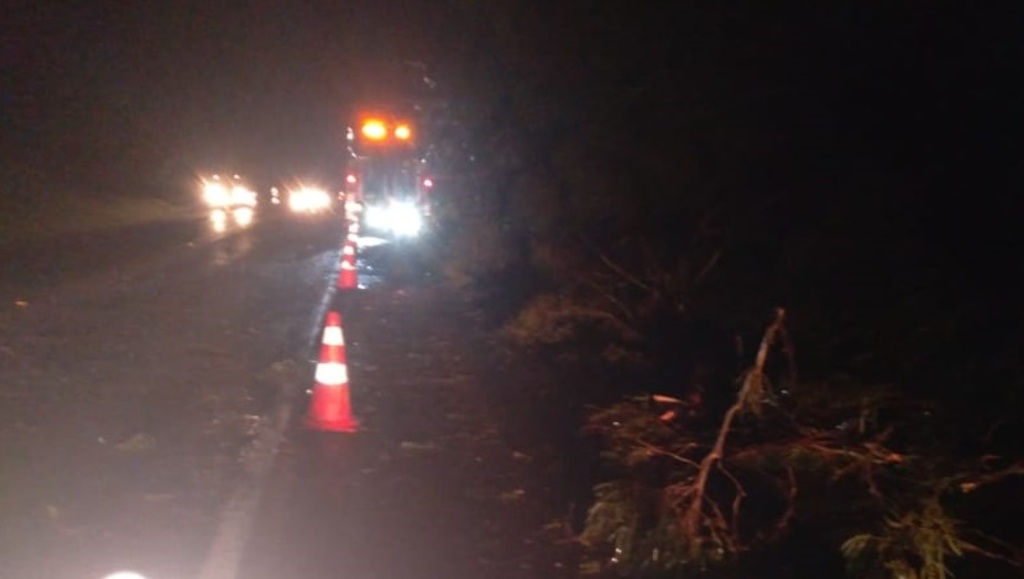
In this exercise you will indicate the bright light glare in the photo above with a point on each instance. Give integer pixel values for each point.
(219, 217)
(242, 196)
(377, 217)
(374, 130)
(350, 179)
(405, 219)
(309, 200)
(243, 216)
(428, 182)
(215, 194)
(124, 575)
(403, 132)
(400, 218)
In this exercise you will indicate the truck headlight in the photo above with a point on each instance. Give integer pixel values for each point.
(405, 219)
(378, 217)
(401, 218)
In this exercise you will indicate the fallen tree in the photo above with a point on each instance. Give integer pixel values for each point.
(860, 470)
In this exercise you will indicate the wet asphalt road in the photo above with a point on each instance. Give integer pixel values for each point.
(134, 367)
(153, 388)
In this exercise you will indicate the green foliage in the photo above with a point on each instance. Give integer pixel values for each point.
(913, 545)
(551, 319)
(643, 536)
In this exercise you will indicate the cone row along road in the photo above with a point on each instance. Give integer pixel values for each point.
(156, 413)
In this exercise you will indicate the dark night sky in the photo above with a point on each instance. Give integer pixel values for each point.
(91, 86)
(252, 84)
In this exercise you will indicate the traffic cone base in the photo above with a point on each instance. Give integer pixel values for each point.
(330, 408)
(341, 421)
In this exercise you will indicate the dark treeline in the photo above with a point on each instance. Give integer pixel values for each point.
(658, 180)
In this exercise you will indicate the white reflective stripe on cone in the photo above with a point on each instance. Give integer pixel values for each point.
(331, 374)
(347, 265)
(349, 250)
(333, 337)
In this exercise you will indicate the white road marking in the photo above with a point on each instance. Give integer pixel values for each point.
(236, 521)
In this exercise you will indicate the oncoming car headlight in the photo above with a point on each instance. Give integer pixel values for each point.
(215, 194)
(243, 216)
(309, 199)
(241, 195)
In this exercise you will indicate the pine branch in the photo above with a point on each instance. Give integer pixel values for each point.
(667, 453)
(625, 274)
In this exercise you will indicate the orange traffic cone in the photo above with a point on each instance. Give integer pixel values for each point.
(347, 278)
(331, 408)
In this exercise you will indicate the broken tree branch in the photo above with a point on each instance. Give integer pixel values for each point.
(752, 385)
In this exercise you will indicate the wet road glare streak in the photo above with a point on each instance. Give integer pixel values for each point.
(236, 522)
(321, 309)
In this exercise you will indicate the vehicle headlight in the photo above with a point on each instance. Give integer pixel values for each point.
(378, 217)
(319, 199)
(243, 216)
(242, 196)
(401, 218)
(309, 199)
(215, 194)
(406, 219)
